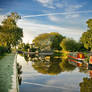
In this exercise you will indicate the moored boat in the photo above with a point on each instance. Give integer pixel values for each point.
(76, 58)
(90, 63)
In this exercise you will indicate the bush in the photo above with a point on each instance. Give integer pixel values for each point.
(3, 50)
(69, 45)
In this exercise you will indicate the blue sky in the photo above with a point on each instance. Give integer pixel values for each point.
(68, 17)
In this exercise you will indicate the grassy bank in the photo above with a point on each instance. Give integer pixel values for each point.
(2, 55)
(6, 72)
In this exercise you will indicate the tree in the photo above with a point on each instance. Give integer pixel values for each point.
(69, 45)
(80, 47)
(57, 38)
(42, 41)
(48, 41)
(10, 34)
(86, 38)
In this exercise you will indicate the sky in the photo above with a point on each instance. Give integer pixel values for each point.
(68, 17)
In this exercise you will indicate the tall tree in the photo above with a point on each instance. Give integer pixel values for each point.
(10, 33)
(86, 38)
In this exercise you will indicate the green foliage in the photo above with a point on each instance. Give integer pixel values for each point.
(43, 41)
(69, 45)
(2, 50)
(10, 34)
(57, 38)
(86, 38)
(48, 41)
(26, 47)
(80, 47)
(21, 46)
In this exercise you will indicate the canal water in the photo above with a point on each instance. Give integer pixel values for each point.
(52, 74)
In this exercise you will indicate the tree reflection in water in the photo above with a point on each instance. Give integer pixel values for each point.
(51, 65)
(51, 68)
(66, 66)
(86, 85)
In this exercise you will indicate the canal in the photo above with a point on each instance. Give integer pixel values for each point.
(52, 74)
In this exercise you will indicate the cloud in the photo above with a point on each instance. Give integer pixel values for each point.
(73, 8)
(32, 29)
(54, 18)
(51, 3)
(47, 3)
(72, 16)
(65, 5)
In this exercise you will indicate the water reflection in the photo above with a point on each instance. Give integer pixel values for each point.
(51, 68)
(19, 71)
(86, 85)
(51, 65)
(69, 78)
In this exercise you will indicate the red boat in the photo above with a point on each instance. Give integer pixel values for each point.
(76, 58)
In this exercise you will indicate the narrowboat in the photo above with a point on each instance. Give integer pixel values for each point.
(76, 58)
(90, 63)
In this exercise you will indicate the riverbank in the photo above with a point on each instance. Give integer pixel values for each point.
(8, 74)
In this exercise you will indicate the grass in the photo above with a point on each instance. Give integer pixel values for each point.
(6, 72)
(2, 55)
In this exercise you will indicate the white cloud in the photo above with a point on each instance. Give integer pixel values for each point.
(54, 18)
(47, 3)
(72, 16)
(64, 4)
(73, 8)
(51, 3)
(33, 29)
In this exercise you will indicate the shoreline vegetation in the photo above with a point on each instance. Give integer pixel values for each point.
(11, 37)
